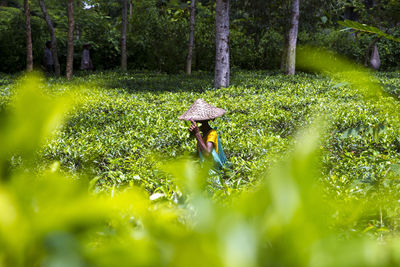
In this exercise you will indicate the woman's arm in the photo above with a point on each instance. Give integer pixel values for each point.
(205, 148)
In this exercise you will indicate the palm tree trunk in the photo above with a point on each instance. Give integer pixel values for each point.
(52, 36)
(70, 44)
(191, 37)
(29, 54)
(222, 70)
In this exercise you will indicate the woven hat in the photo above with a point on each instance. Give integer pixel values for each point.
(202, 111)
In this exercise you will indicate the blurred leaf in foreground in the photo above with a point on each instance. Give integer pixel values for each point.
(324, 61)
(349, 24)
(29, 120)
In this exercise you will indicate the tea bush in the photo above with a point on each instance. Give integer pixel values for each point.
(127, 123)
(123, 129)
(286, 219)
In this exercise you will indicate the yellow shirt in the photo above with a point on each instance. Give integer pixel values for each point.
(212, 137)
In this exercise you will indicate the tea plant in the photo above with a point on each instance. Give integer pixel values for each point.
(126, 124)
(286, 218)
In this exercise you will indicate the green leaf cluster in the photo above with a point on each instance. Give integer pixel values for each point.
(49, 219)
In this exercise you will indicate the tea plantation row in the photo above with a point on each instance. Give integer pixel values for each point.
(126, 126)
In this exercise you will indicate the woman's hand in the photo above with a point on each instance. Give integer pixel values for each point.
(206, 148)
(193, 128)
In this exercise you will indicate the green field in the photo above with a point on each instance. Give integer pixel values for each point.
(123, 132)
(126, 124)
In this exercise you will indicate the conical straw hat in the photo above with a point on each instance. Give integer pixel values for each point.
(202, 111)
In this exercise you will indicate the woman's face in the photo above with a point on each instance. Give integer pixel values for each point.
(202, 124)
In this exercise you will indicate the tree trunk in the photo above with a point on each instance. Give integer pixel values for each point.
(191, 37)
(29, 54)
(130, 9)
(70, 44)
(368, 53)
(292, 38)
(123, 34)
(221, 78)
(375, 61)
(52, 36)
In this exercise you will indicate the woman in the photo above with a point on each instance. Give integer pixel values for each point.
(208, 143)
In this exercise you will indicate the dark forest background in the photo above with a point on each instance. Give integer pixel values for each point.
(157, 32)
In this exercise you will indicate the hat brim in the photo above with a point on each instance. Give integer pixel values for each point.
(202, 111)
(188, 117)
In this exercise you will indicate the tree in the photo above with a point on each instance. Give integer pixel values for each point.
(222, 71)
(70, 43)
(375, 61)
(29, 54)
(191, 37)
(292, 38)
(384, 14)
(123, 34)
(52, 36)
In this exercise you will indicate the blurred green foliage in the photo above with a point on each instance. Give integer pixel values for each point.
(108, 187)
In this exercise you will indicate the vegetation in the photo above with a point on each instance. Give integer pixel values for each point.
(127, 124)
(97, 170)
(123, 134)
(158, 32)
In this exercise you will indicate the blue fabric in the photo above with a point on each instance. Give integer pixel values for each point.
(219, 158)
(221, 153)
